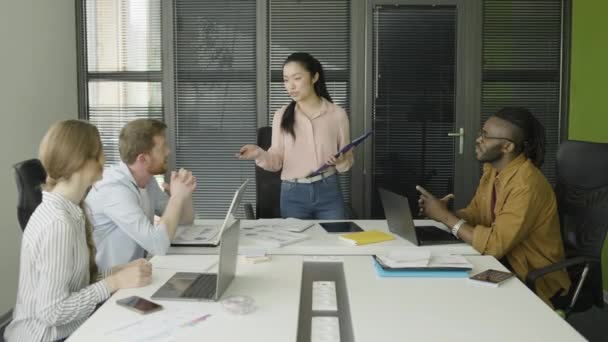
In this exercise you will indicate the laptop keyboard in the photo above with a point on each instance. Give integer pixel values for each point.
(203, 287)
(428, 235)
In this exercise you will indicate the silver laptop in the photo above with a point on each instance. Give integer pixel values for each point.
(192, 286)
(209, 235)
(400, 222)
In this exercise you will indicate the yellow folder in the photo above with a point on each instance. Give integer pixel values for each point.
(369, 236)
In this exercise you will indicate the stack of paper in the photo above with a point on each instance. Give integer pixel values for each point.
(274, 238)
(421, 260)
(288, 224)
(403, 259)
(369, 236)
(417, 263)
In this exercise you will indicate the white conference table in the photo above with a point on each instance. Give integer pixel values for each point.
(323, 243)
(381, 309)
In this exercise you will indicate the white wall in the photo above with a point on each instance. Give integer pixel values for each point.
(38, 86)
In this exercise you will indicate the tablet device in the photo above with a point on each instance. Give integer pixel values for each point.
(341, 227)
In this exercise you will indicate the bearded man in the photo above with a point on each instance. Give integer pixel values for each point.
(123, 204)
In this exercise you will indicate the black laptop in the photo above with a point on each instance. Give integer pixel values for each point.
(400, 222)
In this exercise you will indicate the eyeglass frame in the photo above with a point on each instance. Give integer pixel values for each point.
(482, 134)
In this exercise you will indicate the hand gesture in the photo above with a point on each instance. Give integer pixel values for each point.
(183, 183)
(249, 152)
(333, 160)
(431, 206)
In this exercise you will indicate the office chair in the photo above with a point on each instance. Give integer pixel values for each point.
(582, 199)
(268, 185)
(29, 176)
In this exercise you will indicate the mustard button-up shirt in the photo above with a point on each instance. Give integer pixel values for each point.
(526, 225)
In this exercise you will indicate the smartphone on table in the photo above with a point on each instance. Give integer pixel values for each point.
(138, 304)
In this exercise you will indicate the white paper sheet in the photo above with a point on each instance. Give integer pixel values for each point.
(289, 224)
(200, 233)
(164, 325)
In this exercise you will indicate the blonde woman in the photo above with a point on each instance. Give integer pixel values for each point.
(57, 281)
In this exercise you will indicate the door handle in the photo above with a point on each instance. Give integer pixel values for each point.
(460, 135)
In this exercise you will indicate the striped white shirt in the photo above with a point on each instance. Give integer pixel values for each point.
(54, 296)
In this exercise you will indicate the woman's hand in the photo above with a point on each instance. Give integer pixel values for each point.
(119, 268)
(134, 274)
(333, 160)
(249, 152)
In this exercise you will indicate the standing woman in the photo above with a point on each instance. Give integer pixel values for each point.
(57, 277)
(305, 134)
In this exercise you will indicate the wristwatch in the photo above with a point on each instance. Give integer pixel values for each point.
(457, 227)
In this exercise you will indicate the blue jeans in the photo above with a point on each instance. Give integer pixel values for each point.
(321, 200)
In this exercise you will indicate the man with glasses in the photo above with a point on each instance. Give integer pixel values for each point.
(513, 215)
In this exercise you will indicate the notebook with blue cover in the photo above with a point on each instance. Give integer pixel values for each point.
(419, 273)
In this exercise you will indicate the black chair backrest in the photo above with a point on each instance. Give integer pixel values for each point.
(29, 176)
(268, 194)
(582, 196)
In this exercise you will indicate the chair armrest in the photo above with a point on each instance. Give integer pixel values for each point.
(535, 274)
(249, 211)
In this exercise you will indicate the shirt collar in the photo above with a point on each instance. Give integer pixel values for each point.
(322, 111)
(60, 201)
(508, 172)
(126, 172)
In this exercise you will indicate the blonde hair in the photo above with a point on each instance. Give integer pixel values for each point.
(137, 137)
(65, 149)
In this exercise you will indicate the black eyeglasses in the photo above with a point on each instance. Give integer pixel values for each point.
(484, 136)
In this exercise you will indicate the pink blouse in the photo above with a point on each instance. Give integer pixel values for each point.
(317, 138)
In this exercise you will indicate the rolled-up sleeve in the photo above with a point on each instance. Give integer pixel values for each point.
(511, 226)
(123, 210)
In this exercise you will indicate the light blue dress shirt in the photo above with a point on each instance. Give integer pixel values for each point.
(123, 227)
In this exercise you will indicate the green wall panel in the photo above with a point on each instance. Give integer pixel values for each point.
(588, 114)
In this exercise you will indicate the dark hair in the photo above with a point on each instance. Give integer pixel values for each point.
(530, 140)
(313, 66)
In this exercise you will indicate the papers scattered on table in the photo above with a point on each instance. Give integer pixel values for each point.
(419, 260)
(200, 233)
(288, 224)
(164, 325)
(274, 238)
